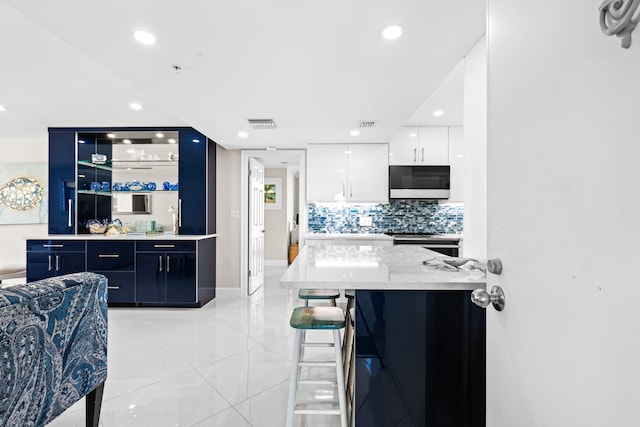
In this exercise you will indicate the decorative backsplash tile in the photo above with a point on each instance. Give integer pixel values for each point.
(398, 216)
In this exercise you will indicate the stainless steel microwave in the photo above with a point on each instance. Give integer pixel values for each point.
(419, 182)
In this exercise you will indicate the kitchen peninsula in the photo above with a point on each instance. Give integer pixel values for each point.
(420, 342)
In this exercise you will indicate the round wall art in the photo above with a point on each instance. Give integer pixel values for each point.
(22, 193)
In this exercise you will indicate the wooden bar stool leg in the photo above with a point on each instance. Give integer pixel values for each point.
(295, 372)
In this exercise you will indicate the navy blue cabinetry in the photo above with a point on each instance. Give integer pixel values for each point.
(195, 191)
(49, 258)
(62, 181)
(166, 272)
(420, 359)
(115, 260)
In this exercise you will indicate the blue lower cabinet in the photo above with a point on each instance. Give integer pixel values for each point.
(420, 359)
(166, 277)
(42, 265)
(49, 258)
(121, 287)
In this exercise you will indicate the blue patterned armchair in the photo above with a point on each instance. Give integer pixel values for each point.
(53, 348)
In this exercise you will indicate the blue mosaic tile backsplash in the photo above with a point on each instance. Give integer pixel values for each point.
(398, 216)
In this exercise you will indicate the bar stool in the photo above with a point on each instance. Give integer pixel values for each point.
(347, 342)
(319, 294)
(326, 318)
(351, 371)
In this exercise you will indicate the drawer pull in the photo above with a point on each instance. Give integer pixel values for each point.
(160, 263)
(50, 267)
(164, 246)
(108, 256)
(113, 287)
(53, 246)
(168, 263)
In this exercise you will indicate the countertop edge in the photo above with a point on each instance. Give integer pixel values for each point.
(122, 237)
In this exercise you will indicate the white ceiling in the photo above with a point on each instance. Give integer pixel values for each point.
(317, 68)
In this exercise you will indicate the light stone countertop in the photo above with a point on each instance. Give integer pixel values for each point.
(356, 266)
(129, 236)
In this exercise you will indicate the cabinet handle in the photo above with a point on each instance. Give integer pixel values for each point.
(350, 189)
(70, 201)
(160, 262)
(344, 191)
(423, 155)
(113, 287)
(50, 267)
(53, 246)
(415, 155)
(179, 212)
(108, 256)
(164, 246)
(168, 263)
(57, 262)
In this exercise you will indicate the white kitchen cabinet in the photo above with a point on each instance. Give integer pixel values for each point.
(347, 172)
(403, 148)
(456, 160)
(420, 146)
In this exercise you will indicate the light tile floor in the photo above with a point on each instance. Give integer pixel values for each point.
(226, 364)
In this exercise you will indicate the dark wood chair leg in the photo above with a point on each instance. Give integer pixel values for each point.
(93, 404)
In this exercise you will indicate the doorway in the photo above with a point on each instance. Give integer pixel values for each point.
(285, 175)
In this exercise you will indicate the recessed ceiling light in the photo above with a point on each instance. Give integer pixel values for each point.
(3, 108)
(135, 106)
(438, 113)
(159, 135)
(242, 134)
(413, 135)
(271, 148)
(172, 141)
(354, 133)
(144, 37)
(392, 32)
(126, 141)
(111, 135)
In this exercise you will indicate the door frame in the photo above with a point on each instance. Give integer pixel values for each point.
(245, 155)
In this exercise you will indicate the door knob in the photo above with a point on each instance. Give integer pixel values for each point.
(482, 298)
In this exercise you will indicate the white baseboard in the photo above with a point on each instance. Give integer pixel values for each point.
(227, 292)
(276, 262)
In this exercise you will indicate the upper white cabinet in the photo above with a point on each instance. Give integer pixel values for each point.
(456, 160)
(348, 172)
(420, 146)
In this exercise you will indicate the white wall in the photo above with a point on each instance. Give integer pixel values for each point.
(13, 240)
(474, 243)
(276, 236)
(228, 228)
(563, 207)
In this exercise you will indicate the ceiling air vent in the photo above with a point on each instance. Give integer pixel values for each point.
(367, 123)
(262, 123)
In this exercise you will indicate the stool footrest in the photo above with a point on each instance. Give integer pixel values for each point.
(318, 382)
(317, 408)
(317, 363)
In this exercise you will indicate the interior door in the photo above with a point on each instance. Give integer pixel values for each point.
(565, 350)
(256, 225)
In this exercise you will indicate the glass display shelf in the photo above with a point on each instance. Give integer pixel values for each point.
(97, 193)
(104, 166)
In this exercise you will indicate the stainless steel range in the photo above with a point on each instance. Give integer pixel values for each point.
(444, 244)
